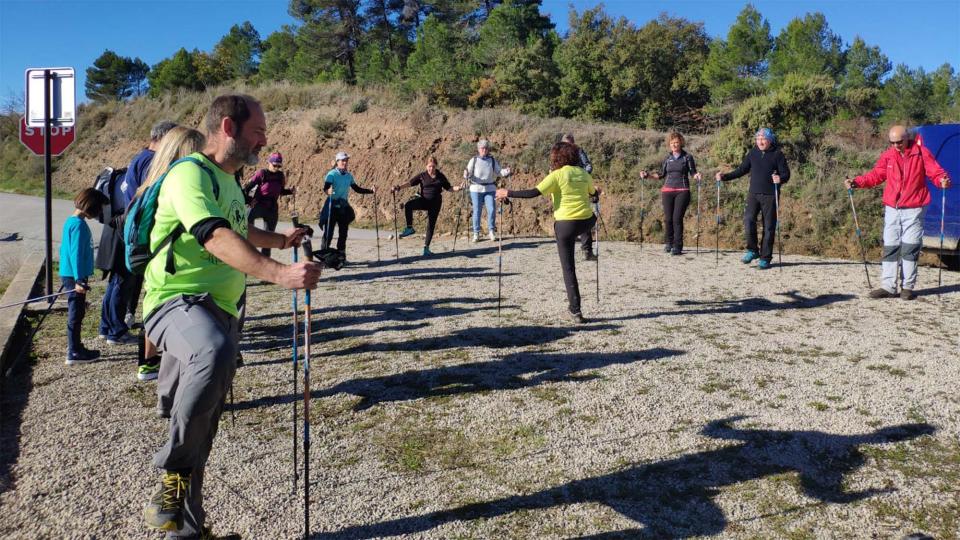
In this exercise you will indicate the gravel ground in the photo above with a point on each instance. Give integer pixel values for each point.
(701, 399)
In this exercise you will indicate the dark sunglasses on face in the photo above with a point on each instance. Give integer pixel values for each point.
(897, 142)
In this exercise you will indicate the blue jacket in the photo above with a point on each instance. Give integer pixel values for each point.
(76, 249)
(136, 174)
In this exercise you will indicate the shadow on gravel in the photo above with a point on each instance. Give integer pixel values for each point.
(488, 337)
(519, 370)
(14, 394)
(388, 311)
(935, 291)
(674, 498)
(744, 305)
(421, 272)
(266, 338)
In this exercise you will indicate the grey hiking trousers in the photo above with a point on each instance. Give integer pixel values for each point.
(902, 239)
(199, 340)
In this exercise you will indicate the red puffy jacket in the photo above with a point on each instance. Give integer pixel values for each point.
(904, 175)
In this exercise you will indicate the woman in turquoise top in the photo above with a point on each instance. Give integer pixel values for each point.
(76, 265)
(337, 185)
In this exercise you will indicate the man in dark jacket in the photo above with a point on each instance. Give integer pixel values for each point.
(768, 170)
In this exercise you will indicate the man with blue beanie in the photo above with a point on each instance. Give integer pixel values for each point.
(767, 167)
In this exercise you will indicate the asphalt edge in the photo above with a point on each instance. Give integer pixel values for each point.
(19, 290)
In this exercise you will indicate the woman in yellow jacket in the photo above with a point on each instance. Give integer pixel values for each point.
(570, 187)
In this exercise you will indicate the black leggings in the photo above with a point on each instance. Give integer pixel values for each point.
(675, 205)
(567, 232)
(760, 203)
(433, 212)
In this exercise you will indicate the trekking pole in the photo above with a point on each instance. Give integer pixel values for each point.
(376, 223)
(856, 223)
(699, 182)
(943, 214)
(456, 229)
(642, 213)
(597, 227)
(776, 200)
(307, 250)
(717, 250)
(499, 260)
(37, 299)
(296, 326)
(396, 237)
(233, 414)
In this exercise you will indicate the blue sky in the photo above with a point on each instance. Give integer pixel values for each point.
(918, 33)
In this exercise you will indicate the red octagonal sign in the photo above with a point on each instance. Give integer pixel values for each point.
(60, 138)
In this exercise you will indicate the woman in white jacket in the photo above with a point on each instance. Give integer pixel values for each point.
(482, 172)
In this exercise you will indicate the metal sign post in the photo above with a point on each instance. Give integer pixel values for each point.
(58, 88)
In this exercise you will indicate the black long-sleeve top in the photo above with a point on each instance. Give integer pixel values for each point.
(761, 165)
(431, 186)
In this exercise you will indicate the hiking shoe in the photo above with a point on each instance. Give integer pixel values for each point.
(165, 509)
(667, 248)
(84, 356)
(427, 252)
(125, 339)
(677, 252)
(206, 533)
(129, 320)
(881, 293)
(476, 237)
(407, 232)
(493, 236)
(763, 264)
(577, 318)
(907, 294)
(150, 369)
(749, 256)
(589, 256)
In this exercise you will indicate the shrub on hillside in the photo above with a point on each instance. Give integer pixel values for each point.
(359, 106)
(326, 126)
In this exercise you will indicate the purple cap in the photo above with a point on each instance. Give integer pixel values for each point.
(275, 158)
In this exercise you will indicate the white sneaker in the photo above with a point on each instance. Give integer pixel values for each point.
(476, 237)
(493, 236)
(125, 339)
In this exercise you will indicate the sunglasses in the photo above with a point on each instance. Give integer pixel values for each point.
(897, 142)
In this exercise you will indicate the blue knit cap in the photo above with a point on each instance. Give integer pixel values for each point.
(767, 134)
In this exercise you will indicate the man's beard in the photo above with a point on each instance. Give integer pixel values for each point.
(247, 156)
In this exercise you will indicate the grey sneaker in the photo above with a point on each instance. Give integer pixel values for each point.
(476, 237)
(907, 294)
(493, 236)
(125, 339)
(577, 318)
(165, 509)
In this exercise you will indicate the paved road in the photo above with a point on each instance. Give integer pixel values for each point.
(21, 227)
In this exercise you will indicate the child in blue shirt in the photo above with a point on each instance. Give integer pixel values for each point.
(76, 265)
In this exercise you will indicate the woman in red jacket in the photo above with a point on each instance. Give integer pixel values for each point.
(904, 167)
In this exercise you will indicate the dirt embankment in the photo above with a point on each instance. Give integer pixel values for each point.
(389, 141)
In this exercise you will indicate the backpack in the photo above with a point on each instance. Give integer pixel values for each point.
(141, 217)
(106, 183)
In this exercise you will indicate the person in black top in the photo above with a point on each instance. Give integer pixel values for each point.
(432, 182)
(675, 193)
(767, 167)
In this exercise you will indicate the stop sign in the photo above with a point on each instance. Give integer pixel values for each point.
(60, 138)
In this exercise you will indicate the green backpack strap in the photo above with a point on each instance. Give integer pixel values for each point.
(179, 230)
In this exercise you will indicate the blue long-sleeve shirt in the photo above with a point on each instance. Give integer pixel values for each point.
(76, 249)
(136, 174)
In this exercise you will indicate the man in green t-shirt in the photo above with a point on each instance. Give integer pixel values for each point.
(191, 314)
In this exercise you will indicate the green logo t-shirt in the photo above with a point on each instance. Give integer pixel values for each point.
(187, 198)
